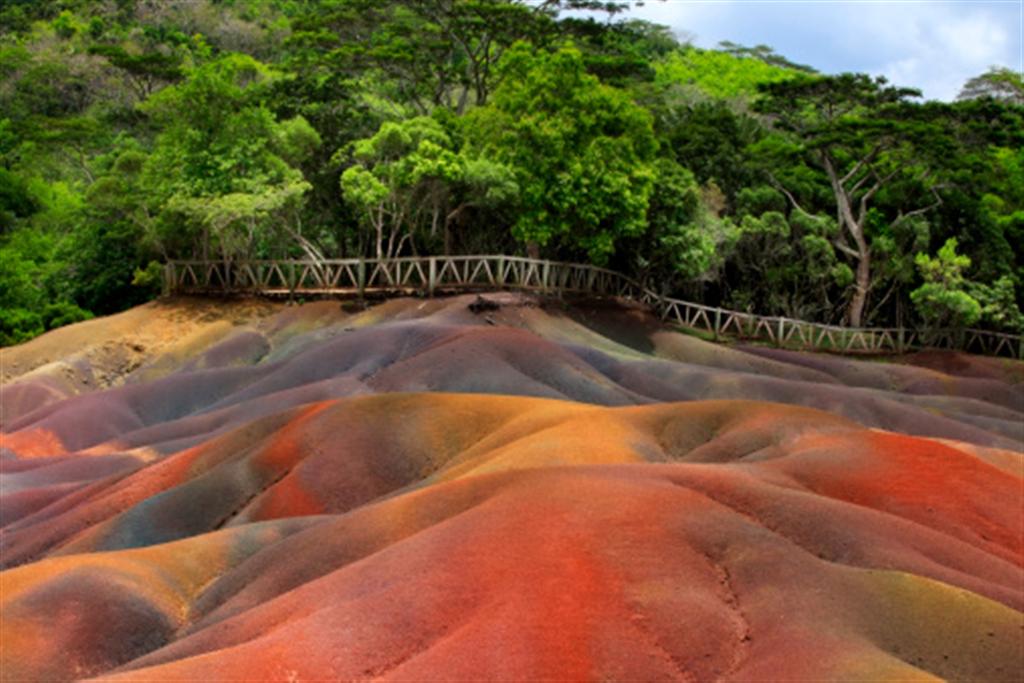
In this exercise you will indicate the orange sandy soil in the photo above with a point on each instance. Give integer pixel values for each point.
(199, 490)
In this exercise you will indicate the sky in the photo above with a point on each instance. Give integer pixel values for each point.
(926, 44)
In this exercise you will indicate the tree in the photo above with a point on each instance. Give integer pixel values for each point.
(866, 138)
(685, 238)
(403, 170)
(1002, 207)
(999, 307)
(764, 53)
(711, 140)
(427, 53)
(223, 166)
(717, 75)
(131, 130)
(943, 300)
(146, 71)
(620, 53)
(16, 202)
(421, 53)
(999, 83)
(29, 304)
(784, 264)
(108, 243)
(409, 178)
(581, 152)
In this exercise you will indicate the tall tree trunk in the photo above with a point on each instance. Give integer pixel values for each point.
(854, 225)
(855, 311)
(379, 225)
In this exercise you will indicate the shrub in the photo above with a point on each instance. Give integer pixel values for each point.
(18, 325)
(63, 313)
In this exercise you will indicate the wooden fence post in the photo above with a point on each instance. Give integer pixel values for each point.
(432, 276)
(361, 276)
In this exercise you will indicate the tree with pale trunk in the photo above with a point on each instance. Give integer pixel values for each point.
(865, 137)
(410, 184)
(223, 179)
(999, 83)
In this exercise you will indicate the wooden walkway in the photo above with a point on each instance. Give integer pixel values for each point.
(434, 274)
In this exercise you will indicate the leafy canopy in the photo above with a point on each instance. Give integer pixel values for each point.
(581, 151)
(223, 165)
(943, 300)
(411, 182)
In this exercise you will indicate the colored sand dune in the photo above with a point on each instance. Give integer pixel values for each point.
(204, 491)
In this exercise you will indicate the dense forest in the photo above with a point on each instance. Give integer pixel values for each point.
(132, 131)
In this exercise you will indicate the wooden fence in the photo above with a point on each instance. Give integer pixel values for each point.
(431, 274)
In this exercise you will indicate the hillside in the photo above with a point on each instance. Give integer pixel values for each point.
(202, 490)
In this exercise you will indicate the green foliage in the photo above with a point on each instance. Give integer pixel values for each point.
(581, 151)
(871, 145)
(27, 269)
(942, 307)
(757, 200)
(131, 132)
(149, 278)
(946, 269)
(401, 170)
(66, 25)
(145, 71)
(998, 83)
(716, 74)
(784, 265)
(620, 53)
(712, 140)
(1002, 208)
(16, 201)
(220, 168)
(764, 53)
(680, 245)
(30, 301)
(295, 141)
(942, 301)
(98, 261)
(999, 307)
(18, 325)
(420, 52)
(63, 313)
(410, 184)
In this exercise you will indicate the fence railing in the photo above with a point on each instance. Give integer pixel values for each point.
(430, 274)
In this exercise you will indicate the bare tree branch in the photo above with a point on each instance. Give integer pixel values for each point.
(789, 195)
(924, 209)
(846, 249)
(860, 164)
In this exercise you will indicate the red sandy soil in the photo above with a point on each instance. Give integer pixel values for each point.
(414, 492)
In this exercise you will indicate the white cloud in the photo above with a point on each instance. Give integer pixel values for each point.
(931, 45)
(686, 17)
(938, 47)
